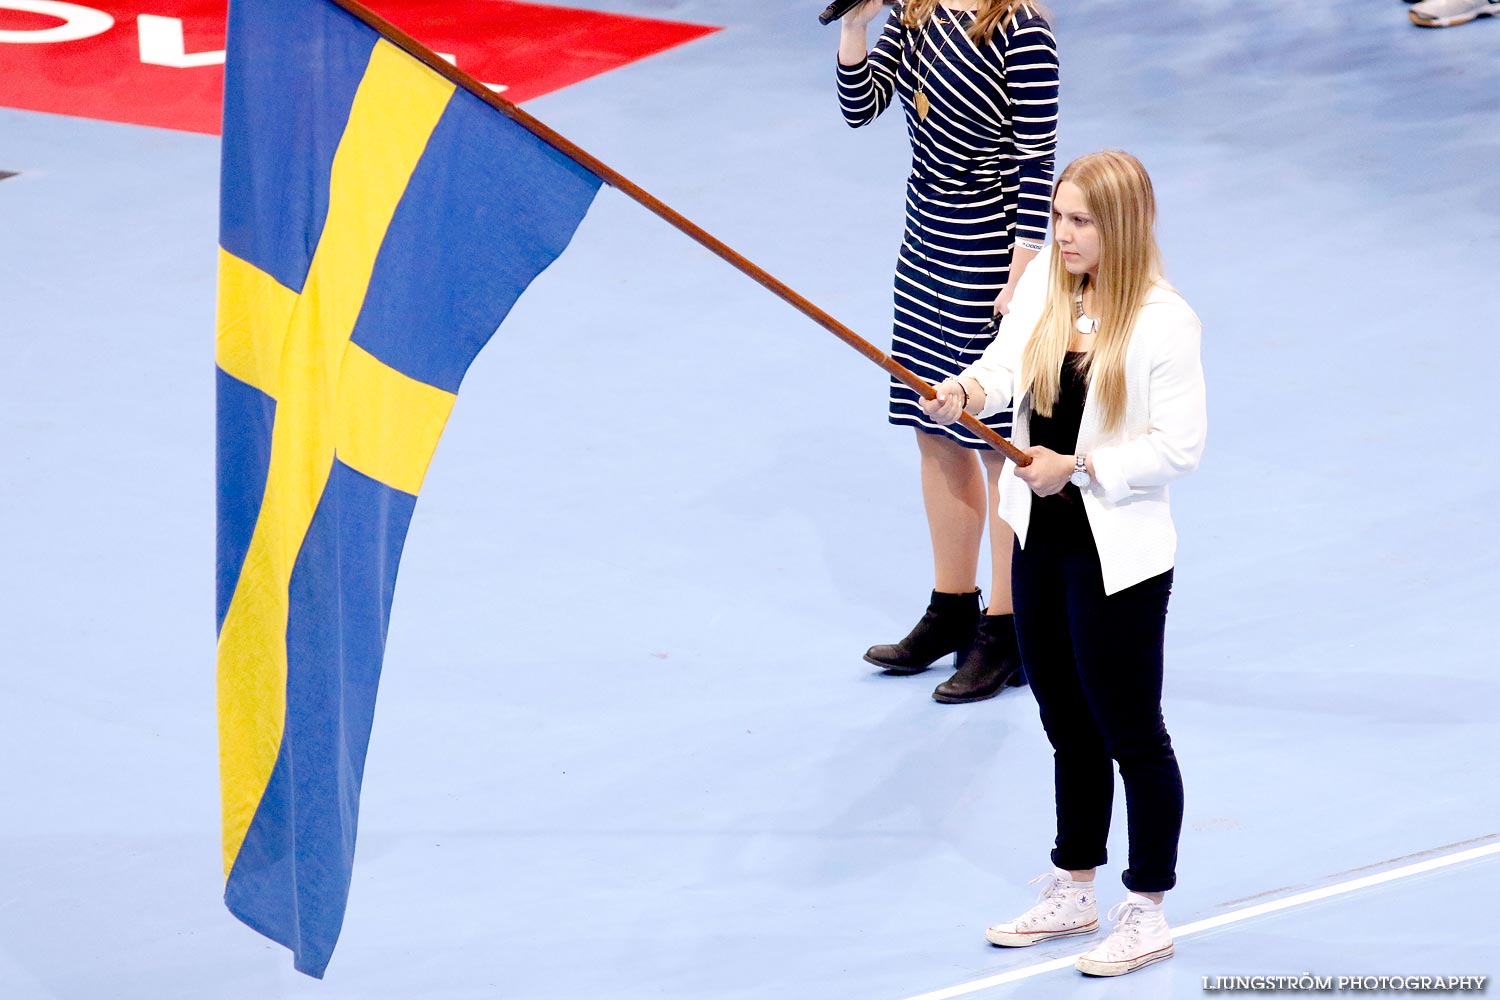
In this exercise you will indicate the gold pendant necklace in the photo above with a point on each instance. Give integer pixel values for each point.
(919, 98)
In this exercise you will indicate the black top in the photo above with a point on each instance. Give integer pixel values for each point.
(1062, 515)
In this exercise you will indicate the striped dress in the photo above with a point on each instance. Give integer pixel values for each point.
(981, 179)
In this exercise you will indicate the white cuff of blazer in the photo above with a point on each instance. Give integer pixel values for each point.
(1109, 475)
(996, 386)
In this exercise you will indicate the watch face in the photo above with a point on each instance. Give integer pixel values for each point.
(1080, 479)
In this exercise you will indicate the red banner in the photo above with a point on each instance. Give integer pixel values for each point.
(160, 62)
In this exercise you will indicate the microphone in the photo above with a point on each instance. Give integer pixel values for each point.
(839, 8)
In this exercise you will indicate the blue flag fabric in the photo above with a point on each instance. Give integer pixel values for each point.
(377, 226)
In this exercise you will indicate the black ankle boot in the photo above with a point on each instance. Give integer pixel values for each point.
(993, 664)
(947, 627)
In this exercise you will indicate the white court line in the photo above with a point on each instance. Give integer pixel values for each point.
(1234, 916)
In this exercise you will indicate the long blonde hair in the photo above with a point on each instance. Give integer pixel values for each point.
(993, 16)
(1121, 201)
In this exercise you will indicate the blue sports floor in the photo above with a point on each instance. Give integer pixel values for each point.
(626, 747)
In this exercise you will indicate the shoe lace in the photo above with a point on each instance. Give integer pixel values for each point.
(1049, 900)
(1052, 887)
(1127, 918)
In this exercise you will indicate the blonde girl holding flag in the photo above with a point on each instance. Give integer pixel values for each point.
(1101, 359)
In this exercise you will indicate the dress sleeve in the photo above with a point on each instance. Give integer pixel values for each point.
(1031, 85)
(865, 88)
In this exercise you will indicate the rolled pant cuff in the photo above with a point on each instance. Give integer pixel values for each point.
(1079, 862)
(1148, 883)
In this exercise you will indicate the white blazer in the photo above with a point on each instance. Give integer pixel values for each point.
(1160, 439)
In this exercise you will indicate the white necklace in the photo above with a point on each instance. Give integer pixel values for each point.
(1084, 324)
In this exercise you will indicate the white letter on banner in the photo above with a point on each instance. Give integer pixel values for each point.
(162, 44)
(79, 22)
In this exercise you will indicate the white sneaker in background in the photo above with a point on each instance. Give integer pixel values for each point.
(1064, 908)
(1447, 13)
(1140, 937)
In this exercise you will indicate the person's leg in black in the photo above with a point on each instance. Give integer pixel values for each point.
(1083, 772)
(1118, 641)
(1082, 769)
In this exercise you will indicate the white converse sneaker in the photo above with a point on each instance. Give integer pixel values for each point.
(1140, 937)
(1064, 908)
(1447, 13)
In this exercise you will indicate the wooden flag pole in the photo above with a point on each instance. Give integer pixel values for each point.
(614, 179)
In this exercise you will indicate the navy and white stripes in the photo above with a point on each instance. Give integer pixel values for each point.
(981, 178)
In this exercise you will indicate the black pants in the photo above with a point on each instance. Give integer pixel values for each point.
(1094, 663)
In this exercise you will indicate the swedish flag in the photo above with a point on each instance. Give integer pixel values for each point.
(378, 223)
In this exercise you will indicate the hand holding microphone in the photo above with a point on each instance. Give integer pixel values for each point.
(865, 11)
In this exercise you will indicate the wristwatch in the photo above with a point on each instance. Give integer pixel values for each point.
(1080, 477)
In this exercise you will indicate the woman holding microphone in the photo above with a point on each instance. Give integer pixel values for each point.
(978, 82)
(1101, 358)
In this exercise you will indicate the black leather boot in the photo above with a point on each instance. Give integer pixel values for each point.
(947, 627)
(993, 664)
